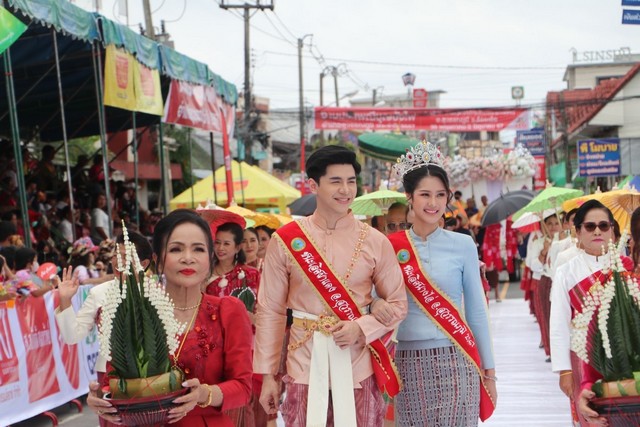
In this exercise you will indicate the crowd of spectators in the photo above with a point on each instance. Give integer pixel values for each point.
(53, 223)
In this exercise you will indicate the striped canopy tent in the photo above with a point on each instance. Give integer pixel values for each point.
(252, 187)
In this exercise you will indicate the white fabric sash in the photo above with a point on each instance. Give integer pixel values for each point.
(329, 361)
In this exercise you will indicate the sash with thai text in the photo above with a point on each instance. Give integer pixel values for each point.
(335, 295)
(437, 306)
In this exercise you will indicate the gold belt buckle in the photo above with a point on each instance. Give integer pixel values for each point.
(325, 323)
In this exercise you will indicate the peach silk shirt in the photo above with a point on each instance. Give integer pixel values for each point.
(283, 285)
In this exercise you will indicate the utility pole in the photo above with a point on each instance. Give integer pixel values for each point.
(565, 139)
(148, 20)
(246, 134)
(335, 84)
(302, 120)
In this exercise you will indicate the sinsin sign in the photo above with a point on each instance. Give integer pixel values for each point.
(613, 55)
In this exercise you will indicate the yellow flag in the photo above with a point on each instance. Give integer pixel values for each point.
(118, 79)
(147, 89)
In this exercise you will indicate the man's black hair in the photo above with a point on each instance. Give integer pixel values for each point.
(330, 155)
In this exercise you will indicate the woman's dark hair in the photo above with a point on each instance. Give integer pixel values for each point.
(24, 256)
(143, 247)
(584, 210)
(77, 260)
(266, 229)
(635, 235)
(411, 179)
(252, 230)
(166, 225)
(569, 214)
(238, 237)
(329, 155)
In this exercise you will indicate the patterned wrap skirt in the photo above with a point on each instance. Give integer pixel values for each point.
(441, 389)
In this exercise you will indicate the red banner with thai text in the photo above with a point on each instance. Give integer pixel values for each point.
(9, 372)
(36, 335)
(197, 106)
(434, 119)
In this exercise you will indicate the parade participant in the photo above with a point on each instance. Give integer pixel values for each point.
(73, 326)
(251, 246)
(325, 268)
(396, 218)
(445, 359)
(552, 229)
(594, 228)
(232, 273)
(215, 351)
(264, 235)
(230, 270)
(557, 255)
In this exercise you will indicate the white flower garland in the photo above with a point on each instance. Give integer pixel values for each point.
(598, 300)
(151, 289)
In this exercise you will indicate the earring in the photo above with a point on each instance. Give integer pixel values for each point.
(163, 280)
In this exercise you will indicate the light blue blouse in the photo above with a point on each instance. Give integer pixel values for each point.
(451, 260)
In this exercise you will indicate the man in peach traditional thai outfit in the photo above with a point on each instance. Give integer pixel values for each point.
(325, 268)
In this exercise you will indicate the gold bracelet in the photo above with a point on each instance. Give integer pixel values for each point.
(209, 397)
(566, 373)
(490, 378)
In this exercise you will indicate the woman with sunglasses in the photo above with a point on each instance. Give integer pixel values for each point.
(594, 224)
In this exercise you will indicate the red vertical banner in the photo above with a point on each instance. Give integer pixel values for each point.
(36, 335)
(540, 178)
(9, 372)
(68, 353)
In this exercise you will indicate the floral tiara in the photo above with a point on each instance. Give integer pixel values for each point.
(423, 154)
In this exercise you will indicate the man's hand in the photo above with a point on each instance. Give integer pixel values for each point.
(347, 333)
(270, 394)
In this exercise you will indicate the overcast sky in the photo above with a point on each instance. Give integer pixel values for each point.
(475, 50)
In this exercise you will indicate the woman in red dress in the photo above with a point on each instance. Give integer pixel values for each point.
(231, 275)
(251, 246)
(216, 349)
(230, 271)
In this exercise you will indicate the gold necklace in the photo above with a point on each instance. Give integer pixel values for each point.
(188, 308)
(186, 332)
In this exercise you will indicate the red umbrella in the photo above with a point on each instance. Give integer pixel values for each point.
(217, 217)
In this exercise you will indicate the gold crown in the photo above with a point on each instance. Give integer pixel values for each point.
(423, 154)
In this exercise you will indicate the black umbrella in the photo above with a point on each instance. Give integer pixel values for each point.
(304, 206)
(505, 206)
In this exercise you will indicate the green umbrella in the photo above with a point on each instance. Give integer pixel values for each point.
(376, 203)
(385, 146)
(549, 198)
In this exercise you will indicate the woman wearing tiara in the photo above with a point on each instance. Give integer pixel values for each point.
(445, 358)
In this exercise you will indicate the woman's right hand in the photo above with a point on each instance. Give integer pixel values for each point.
(68, 287)
(101, 407)
(589, 414)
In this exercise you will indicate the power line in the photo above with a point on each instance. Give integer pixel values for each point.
(278, 31)
(284, 26)
(399, 64)
(184, 9)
